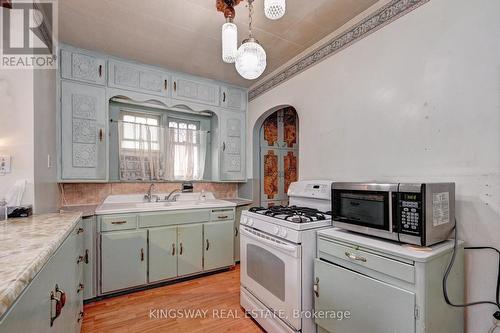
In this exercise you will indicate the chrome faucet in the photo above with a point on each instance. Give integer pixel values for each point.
(149, 194)
(167, 198)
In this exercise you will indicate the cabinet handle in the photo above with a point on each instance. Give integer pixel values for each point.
(222, 217)
(224, 146)
(175, 86)
(235, 232)
(224, 96)
(208, 245)
(79, 231)
(355, 257)
(119, 222)
(100, 70)
(86, 257)
(173, 249)
(81, 315)
(101, 134)
(54, 316)
(180, 251)
(80, 259)
(142, 254)
(316, 287)
(165, 84)
(80, 288)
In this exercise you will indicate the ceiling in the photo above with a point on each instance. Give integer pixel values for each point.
(185, 35)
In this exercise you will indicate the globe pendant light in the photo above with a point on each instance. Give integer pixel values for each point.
(274, 9)
(229, 41)
(251, 57)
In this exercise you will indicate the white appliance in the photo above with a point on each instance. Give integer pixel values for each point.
(278, 245)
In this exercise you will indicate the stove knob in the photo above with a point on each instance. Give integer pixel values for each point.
(276, 230)
(283, 233)
(243, 220)
(250, 222)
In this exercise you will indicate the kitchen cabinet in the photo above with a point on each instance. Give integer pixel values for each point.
(279, 156)
(83, 66)
(83, 132)
(218, 238)
(232, 146)
(385, 286)
(89, 263)
(198, 91)
(123, 259)
(163, 253)
(33, 309)
(138, 78)
(190, 258)
(233, 98)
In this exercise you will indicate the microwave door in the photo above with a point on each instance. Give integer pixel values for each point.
(368, 209)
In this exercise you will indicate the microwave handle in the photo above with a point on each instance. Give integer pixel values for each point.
(284, 247)
(390, 212)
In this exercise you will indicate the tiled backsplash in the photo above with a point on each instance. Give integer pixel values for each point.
(95, 193)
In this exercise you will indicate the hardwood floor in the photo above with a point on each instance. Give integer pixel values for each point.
(214, 302)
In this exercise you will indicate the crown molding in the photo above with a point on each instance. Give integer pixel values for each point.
(381, 17)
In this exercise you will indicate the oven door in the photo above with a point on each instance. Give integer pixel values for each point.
(271, 271)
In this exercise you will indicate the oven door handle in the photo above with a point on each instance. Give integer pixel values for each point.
(284, 247)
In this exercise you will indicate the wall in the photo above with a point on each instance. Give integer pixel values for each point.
(418, 100)
(95, 193)
(45, 176)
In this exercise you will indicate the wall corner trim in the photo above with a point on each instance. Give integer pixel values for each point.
(378, 19)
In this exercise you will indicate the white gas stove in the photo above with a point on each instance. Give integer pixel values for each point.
(278, 245)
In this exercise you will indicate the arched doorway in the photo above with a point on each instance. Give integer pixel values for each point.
(278, 156)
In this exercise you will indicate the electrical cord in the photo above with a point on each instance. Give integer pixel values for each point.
(450, 266)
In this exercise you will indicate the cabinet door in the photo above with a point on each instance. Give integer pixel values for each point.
(89, 227)
(83, 67)
(162, 253)
(374, 306)
(218, 244)
(123, 259)
(190, 256)
(195, 91)
(83, 132)
(232, 146)
(138, 78)
(233, 98)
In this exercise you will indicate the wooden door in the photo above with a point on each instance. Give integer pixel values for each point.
(190, 255)
(162, 250)
(218, 244)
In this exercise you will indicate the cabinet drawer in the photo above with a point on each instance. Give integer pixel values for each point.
(172, 218)
(398, 269)
(118, 222)
(222, 214)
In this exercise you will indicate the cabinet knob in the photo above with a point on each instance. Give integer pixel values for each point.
(79, 231)
(175, 86)
(208, 245)
(224, 96)
(165, 84)
(181, 249)
(81, 315)
(235, 232)
(80, 288)
(80, 259)
(224, 146)
(100, 70)
(86, 257)
(142, 254)
(173, 249)
(355, 257)
(101, 134)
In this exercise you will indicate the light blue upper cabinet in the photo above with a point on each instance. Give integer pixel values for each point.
(233, 98)
(232, 157)
(198, 91)
(83, 132)
(138, 78)
(84, 67)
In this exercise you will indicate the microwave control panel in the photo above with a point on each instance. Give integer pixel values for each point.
(410, 208)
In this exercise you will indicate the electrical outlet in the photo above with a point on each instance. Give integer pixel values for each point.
(4, 164)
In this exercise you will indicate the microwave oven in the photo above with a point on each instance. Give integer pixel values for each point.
(415, 213)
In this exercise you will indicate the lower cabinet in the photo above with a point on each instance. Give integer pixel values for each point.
(35, 310)
(89, 225)
(190, 259)
(163, 251)
(218, 243)
(123, 259)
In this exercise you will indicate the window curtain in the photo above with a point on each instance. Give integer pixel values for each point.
(162, 153)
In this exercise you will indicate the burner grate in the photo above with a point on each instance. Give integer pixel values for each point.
(292, 213)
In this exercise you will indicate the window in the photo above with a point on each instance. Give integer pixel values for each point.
(136, 136)
(187, 147)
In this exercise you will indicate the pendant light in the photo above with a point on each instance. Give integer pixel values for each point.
(274, 9)
(251, 57)
(229, 41)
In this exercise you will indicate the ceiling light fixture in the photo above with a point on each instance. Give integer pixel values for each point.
(251, 57)
(274, 9)
(229, 30)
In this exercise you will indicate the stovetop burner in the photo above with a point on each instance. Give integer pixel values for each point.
(293, 213)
